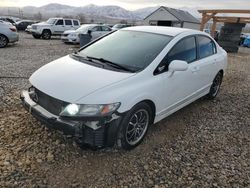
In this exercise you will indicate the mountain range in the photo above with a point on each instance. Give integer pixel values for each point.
(90, 11)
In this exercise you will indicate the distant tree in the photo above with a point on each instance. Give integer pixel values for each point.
(38, 16)
(92, 20)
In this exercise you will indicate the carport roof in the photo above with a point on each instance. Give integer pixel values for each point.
(181, 15)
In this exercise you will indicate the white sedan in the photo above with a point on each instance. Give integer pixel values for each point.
(113, 89)
(95, 30)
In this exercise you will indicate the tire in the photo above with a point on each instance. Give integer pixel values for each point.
(36, 36)
(135, 126)
(215, 87)
(46, 34)
(3, 41)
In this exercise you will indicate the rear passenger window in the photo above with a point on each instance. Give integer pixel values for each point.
(105, 28)
(76, 22)
(97, 28)
(206, 47)
(184, 50)
(68, 22)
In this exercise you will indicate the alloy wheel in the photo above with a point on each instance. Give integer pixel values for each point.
(216, 85)
(3, 41)
(137, 126)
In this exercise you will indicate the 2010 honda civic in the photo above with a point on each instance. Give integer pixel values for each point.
(111, 90)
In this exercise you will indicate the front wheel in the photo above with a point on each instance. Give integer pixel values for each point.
(134, 126)
(3, 41)
(46, 34)
(215, 87)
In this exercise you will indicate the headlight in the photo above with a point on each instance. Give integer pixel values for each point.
(73, 35)
(76, 110)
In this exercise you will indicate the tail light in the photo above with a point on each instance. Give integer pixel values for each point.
(13, 29)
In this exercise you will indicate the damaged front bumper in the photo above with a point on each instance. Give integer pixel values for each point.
(95, 132)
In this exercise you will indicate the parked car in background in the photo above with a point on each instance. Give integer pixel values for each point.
(243, 37)
(53, 26)
(28, 29)
(111, 91)
(108, 25)
(8, 20)
(120, 26)
(23, 24)
(246, 42)
(95, 30)
(8, 34)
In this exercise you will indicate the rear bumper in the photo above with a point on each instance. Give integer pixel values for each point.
(14, 37)
(103, 135)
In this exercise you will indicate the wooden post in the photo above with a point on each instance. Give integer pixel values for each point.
(203, 21)
(213, 28)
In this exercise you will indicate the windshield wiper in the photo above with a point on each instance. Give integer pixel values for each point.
(79, 57)
(110, 63)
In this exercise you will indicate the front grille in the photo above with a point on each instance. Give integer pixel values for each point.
(51, 104)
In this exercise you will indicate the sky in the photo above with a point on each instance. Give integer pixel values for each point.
(136, 4)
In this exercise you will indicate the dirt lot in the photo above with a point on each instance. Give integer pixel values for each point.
(206, 144)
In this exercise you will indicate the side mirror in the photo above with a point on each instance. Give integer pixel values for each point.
(89, 32)
(178, 65)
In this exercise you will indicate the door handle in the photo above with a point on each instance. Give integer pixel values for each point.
(195, 69)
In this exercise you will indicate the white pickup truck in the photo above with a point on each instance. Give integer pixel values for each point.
(53, 26)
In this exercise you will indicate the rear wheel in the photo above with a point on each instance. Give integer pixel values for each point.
(3, 41)
(215, 87)
(134, 126)
(46, 34)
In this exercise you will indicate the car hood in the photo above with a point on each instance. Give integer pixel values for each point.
(69, 80)
(42, 24)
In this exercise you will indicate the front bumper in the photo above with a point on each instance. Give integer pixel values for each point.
(103, 134)
(35, 32)
(69, 40)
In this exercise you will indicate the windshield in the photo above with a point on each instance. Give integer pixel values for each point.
(84, 28)
(51, 21)
(131, 49)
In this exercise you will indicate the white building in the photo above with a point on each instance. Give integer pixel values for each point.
(165, 16)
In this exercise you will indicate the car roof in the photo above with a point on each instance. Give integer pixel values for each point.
(25, 21)
(171, 31)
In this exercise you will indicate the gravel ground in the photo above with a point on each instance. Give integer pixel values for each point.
(206, 144)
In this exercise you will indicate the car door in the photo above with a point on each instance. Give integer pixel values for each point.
(179, 87)
(68, 25)
(207, 65)
(59, 26)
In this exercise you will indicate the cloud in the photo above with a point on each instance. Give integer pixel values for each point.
(214, 4)
(135, 4)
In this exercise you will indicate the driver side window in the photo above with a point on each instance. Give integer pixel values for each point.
(59, 22)
(184, 50)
